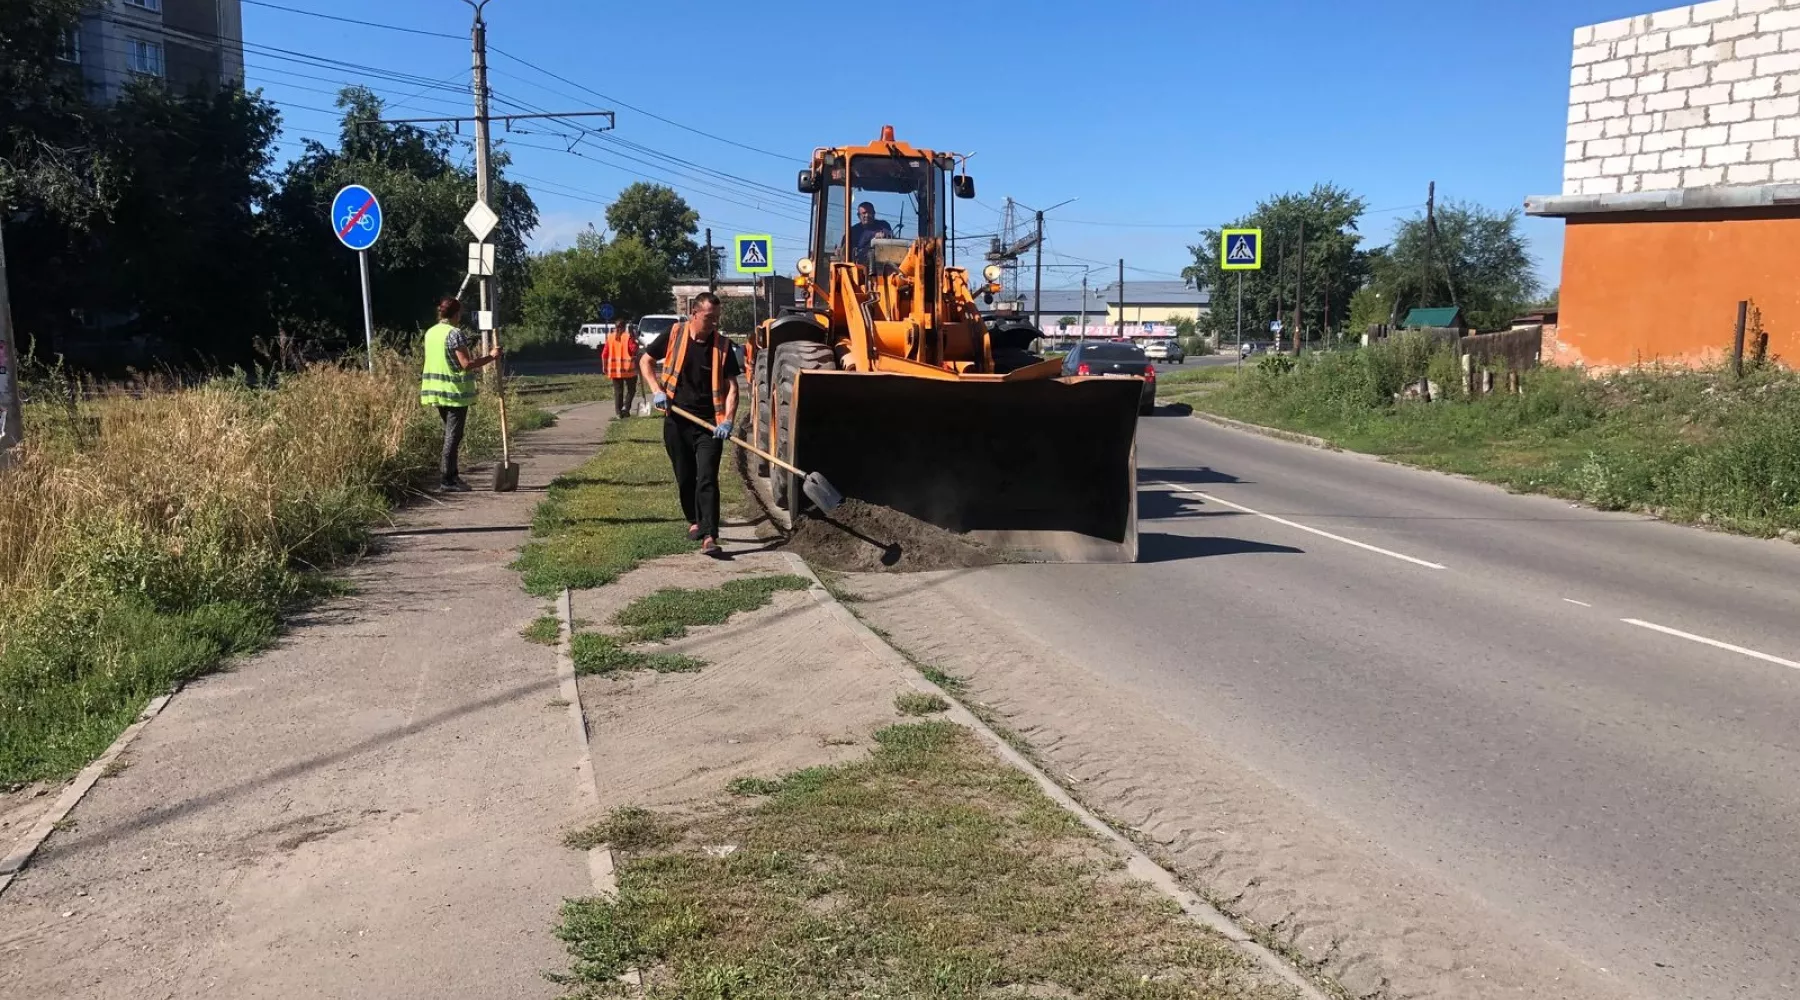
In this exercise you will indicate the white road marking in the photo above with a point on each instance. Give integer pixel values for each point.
(1572, 600)
(1295, 524)
(1703, 640)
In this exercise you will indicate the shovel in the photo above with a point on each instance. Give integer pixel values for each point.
(818, 489)
(506, 477)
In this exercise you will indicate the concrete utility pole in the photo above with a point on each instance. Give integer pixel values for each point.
(1037, 284)
(1082, 336)
(490, 293)
(712, 281)
(12, 424)
(1120, 331)
(1299, 285)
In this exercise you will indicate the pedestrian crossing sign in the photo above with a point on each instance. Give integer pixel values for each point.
(1240, 250)
(755, 254)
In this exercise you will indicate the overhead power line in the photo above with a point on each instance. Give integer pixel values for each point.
(352, 20)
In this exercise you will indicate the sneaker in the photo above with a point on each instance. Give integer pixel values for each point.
(455, 486)
(693, 532)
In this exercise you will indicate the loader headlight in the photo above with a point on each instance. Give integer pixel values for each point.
(992, 272)
(804, 266)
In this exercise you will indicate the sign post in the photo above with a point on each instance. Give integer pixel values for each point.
(356, 218)
(1240, 250)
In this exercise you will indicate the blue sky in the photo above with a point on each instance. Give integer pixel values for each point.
(1158, 116)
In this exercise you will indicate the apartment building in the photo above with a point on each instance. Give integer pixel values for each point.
(192, 44)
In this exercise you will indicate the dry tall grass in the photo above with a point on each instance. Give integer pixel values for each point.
(143, 536)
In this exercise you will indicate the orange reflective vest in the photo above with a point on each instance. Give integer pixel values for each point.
(619, 355)
(678, 356)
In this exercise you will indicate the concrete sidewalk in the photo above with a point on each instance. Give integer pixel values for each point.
(372, 809)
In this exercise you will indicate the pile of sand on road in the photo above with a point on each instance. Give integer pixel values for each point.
(861, 537)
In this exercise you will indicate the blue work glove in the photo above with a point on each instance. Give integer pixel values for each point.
(660, 401)
(723, 430)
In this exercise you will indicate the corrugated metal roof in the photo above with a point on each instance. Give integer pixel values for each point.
(1158, 293)
(1442, 316)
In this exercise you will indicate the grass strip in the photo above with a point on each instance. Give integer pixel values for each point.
(928, 869)
(599, 654)
(670, 612)
(545, 630)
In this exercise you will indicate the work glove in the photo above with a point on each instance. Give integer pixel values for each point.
(660, 401)
(723, 430)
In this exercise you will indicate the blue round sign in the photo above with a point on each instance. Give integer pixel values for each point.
(606, 311)
(356, 217)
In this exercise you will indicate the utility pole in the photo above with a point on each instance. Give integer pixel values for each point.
(484, 175)
(1120, 333)
(1082, 336)
(1037, 284)
(712, 282)
(1299, 286)
(12, 425)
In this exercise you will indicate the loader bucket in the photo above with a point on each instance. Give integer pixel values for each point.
(1045, 468)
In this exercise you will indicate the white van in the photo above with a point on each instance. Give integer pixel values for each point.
(651, 327)
(591, 335)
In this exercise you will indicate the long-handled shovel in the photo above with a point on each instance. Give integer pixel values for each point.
(506, 476)
(818, 489)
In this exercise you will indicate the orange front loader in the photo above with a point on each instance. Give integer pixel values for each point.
(889, 383)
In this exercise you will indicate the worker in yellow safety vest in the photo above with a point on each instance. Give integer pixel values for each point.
(448, 383)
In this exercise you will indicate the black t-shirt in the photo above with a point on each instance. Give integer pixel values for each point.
(693, 384)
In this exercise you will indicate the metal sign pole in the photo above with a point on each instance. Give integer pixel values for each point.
(368, 310)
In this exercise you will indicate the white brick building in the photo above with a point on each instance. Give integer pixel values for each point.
(1695, 97)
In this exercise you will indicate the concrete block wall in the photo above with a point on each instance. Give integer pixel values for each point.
(1706, 95)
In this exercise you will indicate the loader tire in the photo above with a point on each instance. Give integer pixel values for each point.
(759, 420)
(790, 359)
(1007, 359)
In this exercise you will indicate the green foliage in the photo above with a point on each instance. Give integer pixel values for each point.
(568, 287)
(670, 612)
(1368, 307)
(595, 653)
(738, 316)
(1335, 267)
(660, 219)
(545, 630)
(1275, 364)
(1478, 260)
(919, 703)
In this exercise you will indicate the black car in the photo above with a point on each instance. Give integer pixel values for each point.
(1111, 358)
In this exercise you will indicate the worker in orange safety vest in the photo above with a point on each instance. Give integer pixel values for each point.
(618, 355)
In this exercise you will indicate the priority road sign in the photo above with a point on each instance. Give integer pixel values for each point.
(481, 220)
(356, 217)
(755, 253)
(1240, 250)
(606, 312)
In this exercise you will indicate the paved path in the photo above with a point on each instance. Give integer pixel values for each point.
(373, 809)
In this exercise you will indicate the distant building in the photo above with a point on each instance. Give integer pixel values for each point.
(1681, 185)
(1151, 308)
(191, 44)
(1440, 318)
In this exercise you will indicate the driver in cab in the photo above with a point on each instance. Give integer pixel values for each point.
(866, 230)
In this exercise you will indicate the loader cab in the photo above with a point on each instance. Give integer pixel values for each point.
(869, 207)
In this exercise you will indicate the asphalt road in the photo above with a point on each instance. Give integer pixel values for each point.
(1588, 720)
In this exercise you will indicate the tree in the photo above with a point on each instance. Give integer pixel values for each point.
(1335, 264)
(1477, 260)
(567, 287)
(661, 219)
(1368, 307)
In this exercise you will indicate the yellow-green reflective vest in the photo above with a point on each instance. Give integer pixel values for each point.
(443, 383)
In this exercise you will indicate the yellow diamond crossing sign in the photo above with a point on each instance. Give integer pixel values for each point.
(1240, 250)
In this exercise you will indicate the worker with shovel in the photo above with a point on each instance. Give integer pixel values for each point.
(699, 374)
(448, 383)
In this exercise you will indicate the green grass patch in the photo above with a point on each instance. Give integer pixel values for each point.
(919, 703)
(615, 511)
(595, 653)
(546, 630)
(855, 881)
(670, 612)
(561, 390)
(628, 828)
(1694, 446)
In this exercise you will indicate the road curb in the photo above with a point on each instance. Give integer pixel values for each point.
(21, 855)
(1271, 432)
(1139, 864)
(602, 867)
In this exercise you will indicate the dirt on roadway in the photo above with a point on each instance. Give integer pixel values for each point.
(1378, 926)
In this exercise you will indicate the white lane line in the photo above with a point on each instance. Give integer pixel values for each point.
(1703, 640)
(1572, 600)
(1295, 524)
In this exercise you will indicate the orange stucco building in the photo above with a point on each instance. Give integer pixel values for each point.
(1662, 285)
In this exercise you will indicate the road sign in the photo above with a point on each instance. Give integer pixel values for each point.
(1240, 250)
(481, 220)
(606, 312)
(755, 254)
(481, 260)
(356, 217)
(1275, 326)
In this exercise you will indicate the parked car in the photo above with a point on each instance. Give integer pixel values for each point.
(1165, 350)
(651, 327)
(1114, 360)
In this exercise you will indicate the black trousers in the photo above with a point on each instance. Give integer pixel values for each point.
(456, 421)
(695, 454)
(624, 392)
